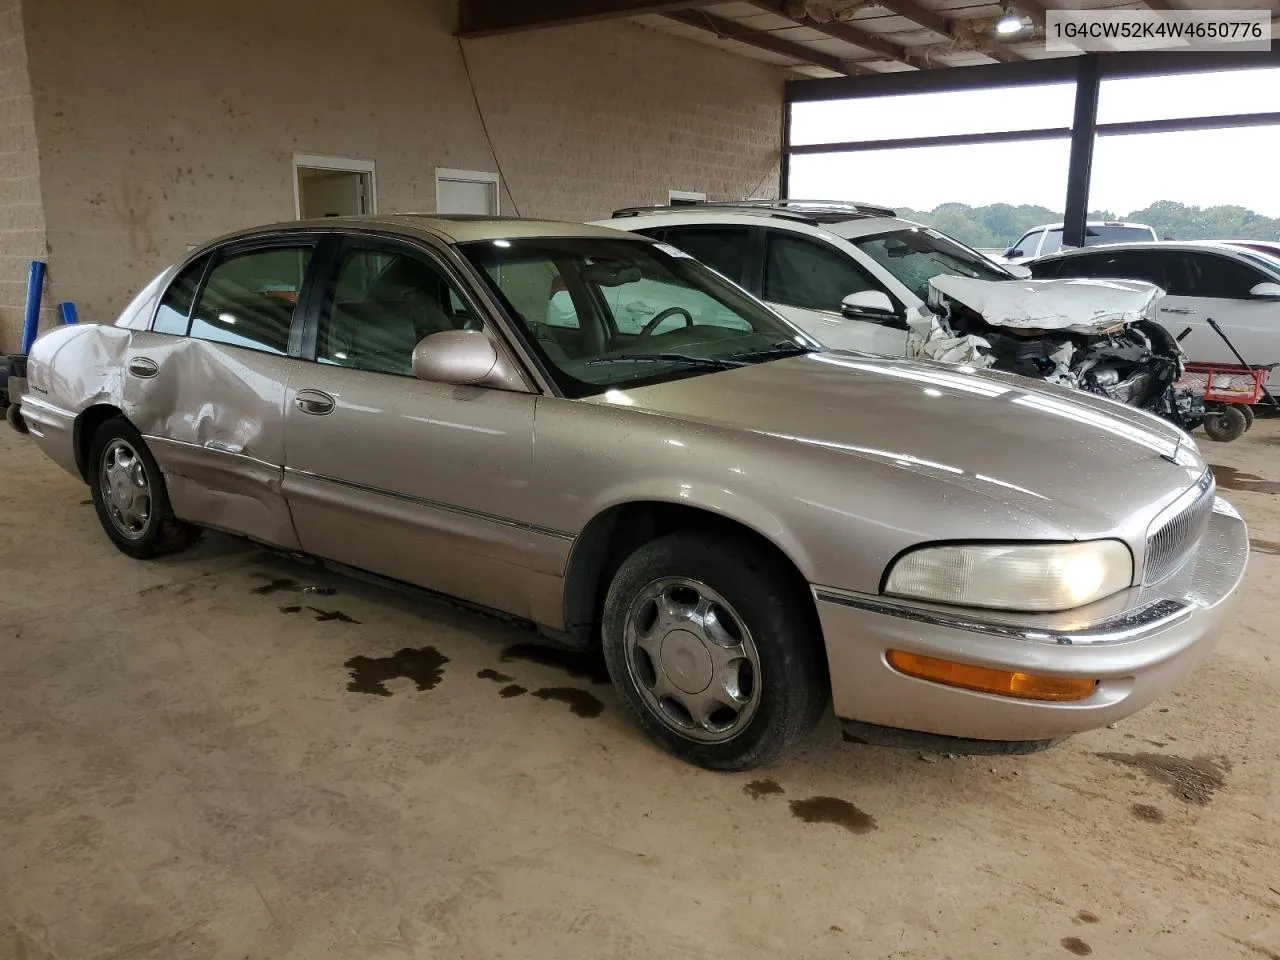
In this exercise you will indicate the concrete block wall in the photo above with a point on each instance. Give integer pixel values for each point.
(22, 224)
(163, 124)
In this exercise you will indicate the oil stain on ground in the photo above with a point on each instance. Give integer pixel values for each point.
(762, 788)
(424, 666)
(1265, 546)
(493, 675)
(512, 690)
(835, 811)
(1145, 811)
(1229, 478)
(581, 703)
(1193, 781)
(1084, 916)
(1076, 945)
(579, 665)
(322, 616)
(277, 585)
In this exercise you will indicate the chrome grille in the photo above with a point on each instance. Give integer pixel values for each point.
(1174, 534)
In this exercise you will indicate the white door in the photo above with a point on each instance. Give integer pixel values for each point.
(806, 280)
(467, 192)
(1204, 286)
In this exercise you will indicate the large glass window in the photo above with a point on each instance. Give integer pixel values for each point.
(250, 297)
(640, 313)
(381, 303)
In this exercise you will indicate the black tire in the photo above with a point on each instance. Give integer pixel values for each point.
(161, 533)
(1249, 415)
(770, 600)
(1226, 425)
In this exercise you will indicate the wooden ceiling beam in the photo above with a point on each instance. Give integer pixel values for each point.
(731, 30)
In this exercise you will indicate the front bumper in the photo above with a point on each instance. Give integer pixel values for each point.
(1138, 645)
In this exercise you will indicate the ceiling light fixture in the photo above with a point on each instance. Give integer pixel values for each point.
(1010, 22)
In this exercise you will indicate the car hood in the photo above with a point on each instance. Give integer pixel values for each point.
(1084, 306)
(1079, 464)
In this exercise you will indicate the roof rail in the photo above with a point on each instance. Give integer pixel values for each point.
(821, 211)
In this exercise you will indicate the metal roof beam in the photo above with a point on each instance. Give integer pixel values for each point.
(487, 18)
(843, 30)
(931, 20)
(731, 30)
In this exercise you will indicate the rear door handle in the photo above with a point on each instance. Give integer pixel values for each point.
(1185, 311)
(315, 402)
(143, 367)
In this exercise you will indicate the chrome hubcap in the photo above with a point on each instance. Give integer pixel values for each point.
(693, 659)
(126, 490)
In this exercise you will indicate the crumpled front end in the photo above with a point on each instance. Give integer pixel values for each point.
(1095, 335)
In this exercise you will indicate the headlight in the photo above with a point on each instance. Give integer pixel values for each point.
(1036, 576)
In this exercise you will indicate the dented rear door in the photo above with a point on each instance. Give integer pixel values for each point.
(206, 385)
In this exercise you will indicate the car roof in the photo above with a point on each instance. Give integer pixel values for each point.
(1219, 246)
(451, 228)
(1095, 223)
(847, 228)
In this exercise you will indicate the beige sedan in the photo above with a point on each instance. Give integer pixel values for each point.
(751, 526)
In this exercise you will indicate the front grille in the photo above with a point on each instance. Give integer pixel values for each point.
(1174, 534)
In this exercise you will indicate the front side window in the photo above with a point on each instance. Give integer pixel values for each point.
(805, 273)
(604, 313)
(380, 303)
(1026, 247)
(916, 255)
(250, 298)
(174, 313)
(1210, 275)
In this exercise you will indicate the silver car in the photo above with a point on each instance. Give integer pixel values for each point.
(750, 526)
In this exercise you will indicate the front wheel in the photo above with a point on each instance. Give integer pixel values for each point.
(713, 645)
(1226, 425)
(129, 494)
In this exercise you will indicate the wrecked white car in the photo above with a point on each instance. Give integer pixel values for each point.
(1095, 335)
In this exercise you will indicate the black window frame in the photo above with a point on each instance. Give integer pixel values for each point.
(1213, 255)
(207, 256)
(329, 264)
(247, 245)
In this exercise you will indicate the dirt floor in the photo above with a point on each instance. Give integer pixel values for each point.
(208, 758)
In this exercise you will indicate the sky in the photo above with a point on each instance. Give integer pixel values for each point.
(1202, 168)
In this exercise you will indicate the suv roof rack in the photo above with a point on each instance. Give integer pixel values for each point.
(816, 211)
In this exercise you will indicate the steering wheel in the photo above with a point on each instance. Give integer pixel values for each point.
(656, 322)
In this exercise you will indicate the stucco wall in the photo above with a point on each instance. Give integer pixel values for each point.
(164, 124)
(22, 224)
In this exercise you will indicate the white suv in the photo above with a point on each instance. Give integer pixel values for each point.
(849, 275)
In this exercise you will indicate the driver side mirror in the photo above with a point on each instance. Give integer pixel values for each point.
(1266, 291)
(1013, 252)
(868, 305)
(462, 357)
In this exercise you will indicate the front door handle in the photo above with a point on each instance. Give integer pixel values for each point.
(1185, 311)
(143, 367)
(315, 402)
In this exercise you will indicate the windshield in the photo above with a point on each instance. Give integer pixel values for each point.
(917, 255)
(604, 313)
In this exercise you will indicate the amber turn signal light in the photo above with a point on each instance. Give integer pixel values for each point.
(1029, 686)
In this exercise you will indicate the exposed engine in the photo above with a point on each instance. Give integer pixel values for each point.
(1125, 357)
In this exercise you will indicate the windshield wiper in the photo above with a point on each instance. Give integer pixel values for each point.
(782, 349)
(710, 363)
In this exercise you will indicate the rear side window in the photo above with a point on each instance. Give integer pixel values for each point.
(800, 272)
(250, 297)
(1052, 243)
(725, 250)
(174, 312)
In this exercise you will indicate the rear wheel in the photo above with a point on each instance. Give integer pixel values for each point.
(1249, 415)
(129, 494)
(1226, 425)
(712, 645)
